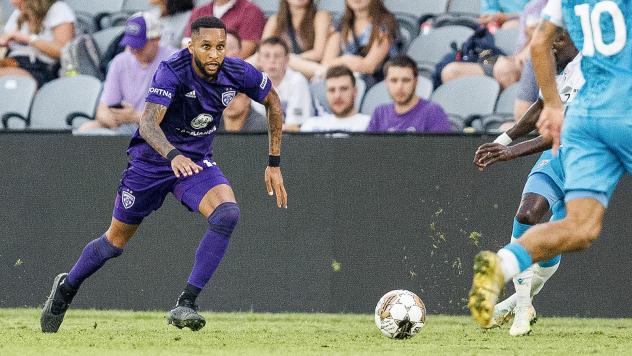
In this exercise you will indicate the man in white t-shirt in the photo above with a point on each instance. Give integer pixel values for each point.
(341, 93)
(292, 87)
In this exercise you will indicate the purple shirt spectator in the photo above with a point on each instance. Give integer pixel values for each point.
(426, 116)
(128, 80)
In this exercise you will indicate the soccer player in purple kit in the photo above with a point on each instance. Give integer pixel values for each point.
(171, 152)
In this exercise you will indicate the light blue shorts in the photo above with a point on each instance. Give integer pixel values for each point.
(597, 152)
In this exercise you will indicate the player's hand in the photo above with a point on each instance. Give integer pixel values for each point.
(274, 185)
(491, 153)
(183, 166)
(550, 125)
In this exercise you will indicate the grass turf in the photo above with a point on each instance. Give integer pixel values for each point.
(90, 332)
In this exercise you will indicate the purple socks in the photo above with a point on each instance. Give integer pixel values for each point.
(92, 258)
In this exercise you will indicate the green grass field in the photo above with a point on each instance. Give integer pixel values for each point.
(89, 332)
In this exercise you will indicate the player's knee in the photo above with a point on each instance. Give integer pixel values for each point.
(527, 217)
(224, 218)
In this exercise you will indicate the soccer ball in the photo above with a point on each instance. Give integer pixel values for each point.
(400, 314)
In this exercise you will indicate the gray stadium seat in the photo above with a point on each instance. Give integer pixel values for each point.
(269, 7)
(416, 8)
(333, 6)
(17, 94)
(507, 39)
(428, 50)
(132, 6)
(6, 9)
(61, 101)
(506, 100)
(465, 7)
(467, 97)
(95, 7)
(103, 39)
(408, 30)
(378, 94)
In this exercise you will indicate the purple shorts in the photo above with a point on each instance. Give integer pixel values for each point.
(144, 186)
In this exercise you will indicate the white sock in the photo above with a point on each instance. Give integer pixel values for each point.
(522, 283)
(508, 264)
(540, 276)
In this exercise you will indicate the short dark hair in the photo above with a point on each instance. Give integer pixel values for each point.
(178, 6)
(207, 22)
(402, 61)
(275, 41)
(340, 71)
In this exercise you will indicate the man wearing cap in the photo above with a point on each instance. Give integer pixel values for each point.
(129, 77)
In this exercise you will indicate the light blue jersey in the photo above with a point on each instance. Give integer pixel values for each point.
(598, 125)
(602, 31)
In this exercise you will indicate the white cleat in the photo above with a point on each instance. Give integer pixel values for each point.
(524, 317)
(504, 312)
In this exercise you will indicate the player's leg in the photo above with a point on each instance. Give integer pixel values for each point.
(209, 193)
(93, 257)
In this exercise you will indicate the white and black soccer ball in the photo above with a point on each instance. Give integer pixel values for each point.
(400, 314)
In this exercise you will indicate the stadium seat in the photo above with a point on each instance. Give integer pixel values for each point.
(17, 94)
(6, 9)
(492, 124)
(467, 98)
(378, 94)
(335, 7)
(506, 100)
(104, 38)
(269, 7)
(507, 39)
(96, 7)
(408, 30)
(132, 6)
(465, 7)
(60, 102)
(428, 50)
(416, 8)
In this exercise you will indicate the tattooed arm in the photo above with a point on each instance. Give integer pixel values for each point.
(273, 177)
(150, 130)
(275, 121)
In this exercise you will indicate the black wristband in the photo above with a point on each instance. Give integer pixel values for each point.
(173, 153)
(274, 161)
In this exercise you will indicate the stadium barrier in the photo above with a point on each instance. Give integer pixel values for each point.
(366, 214)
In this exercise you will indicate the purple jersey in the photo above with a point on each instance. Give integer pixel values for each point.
(195, 106)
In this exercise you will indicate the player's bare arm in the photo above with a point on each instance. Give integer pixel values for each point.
(149, 128)
(495, 152)
(273, 177)
(544, 66)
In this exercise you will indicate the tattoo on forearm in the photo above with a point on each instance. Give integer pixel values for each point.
(150, 130)
(275, 122)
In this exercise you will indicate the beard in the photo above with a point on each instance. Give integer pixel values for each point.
(200, 66)
(408, 99)
(344, 112)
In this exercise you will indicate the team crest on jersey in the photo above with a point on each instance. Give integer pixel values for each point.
(228, 96)
(201, 121)
(543, 163)
(127, 198)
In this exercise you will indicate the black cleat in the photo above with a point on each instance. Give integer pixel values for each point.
(55, 306)
(185, 315)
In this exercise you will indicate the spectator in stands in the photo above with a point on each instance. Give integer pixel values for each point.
(233, 44)
(408, 112)
(241, 16)
(35, 34)
(501, 13)
(292, 87)
(304, 28)
(129, 77)
(239, 116)
(174, 14)
(341, 94)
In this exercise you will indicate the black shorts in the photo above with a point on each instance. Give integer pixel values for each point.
(42, 72)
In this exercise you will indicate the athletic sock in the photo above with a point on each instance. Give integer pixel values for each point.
(540, 276)
(522, 283)
(189, 295)
(92, 258)
(514, 259)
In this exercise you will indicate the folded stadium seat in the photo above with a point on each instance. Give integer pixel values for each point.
(269, 7)
(107, 44)
(502, 113)
(90, 13)
(408, 30)
(507, 39)
(378, 94)
(335, 7)
(58, 104)
(416, 8)
(6, 9)
(428, 50)
(17, 94)
(465, 7)
(467, 98)
(133, 6)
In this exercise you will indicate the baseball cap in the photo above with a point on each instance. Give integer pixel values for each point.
(140, 27)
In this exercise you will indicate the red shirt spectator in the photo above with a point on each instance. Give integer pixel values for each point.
(244, 18)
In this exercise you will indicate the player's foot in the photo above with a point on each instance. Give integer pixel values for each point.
(55, 306)
(487, 284)
(185, 315)
(525, 316)
(504, 312)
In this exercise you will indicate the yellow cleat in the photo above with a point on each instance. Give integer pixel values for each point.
(487, 285)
